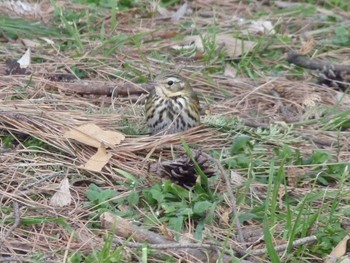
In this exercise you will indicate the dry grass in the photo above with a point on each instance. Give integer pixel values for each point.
(42, 109)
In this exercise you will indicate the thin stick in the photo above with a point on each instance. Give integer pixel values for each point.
(10, 259)
(305, 62)
(296, 243)
(123, 228)
(173, 246)
(167, 246)
(15, 223)
(43, 179)
(177, 245)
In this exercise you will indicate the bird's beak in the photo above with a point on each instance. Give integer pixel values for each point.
(149, 86)
(152, 83)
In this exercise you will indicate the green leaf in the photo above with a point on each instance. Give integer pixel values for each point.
(242, 161)
(185, 212)
(176, 223)
(157, 195)
(133, 198)
(201, 207)
(247, 216)
(271, 251)
(240, 144)
(168, 208)
(199, 230)
(128, 176)
(342, 36)
(92, 192)
(76, 258)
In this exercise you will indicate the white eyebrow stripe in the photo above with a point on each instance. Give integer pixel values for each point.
(173, 79)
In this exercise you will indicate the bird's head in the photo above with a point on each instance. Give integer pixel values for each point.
(171, 85)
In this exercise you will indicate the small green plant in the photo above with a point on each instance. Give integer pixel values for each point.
(336, 120)
(103, 200)
(175, 205)
(16, 27)
(107, 254)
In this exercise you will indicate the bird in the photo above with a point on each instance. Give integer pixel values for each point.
(171, 106)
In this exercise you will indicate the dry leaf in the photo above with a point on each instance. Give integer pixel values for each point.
(24, 61)
(186, 238)
(284, 4)
(310, 100)
(30, 43)
(233, 46)
(342, 97)
(230, 71)
(307, 46)
(281, 193)
(98, 160)
(236, 179)
(62, 197)
(225, 217)
(179, 13)
(162, 11)
(91, 134)
(338, 251)
(292, 175)
(261, 27)
(47, 40)
(20, 8)
(165, 231)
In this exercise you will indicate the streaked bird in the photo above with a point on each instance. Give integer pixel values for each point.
(172, 106)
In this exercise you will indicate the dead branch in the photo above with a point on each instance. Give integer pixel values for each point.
(84, 87)
(177, 246)
(305, 62)
(102, 88)
(42, 180)
(16, 223)
(125, 229)
(296, 243)
(10, 259)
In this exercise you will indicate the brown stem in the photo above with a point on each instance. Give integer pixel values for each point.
(305, 62)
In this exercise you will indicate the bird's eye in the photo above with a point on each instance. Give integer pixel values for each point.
(170, 82)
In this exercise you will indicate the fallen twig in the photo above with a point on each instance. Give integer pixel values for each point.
(296, 243)
(305, 62)
(16, 223)
(102, 88)
(331, 75)
(125, 229)
(10, 259)
(85, 87)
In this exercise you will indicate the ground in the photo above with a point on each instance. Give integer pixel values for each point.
(274, 131)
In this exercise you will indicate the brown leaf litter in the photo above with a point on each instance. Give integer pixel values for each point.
(53, 100)
(47, 118)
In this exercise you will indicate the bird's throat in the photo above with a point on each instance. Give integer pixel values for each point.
(165, 93)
